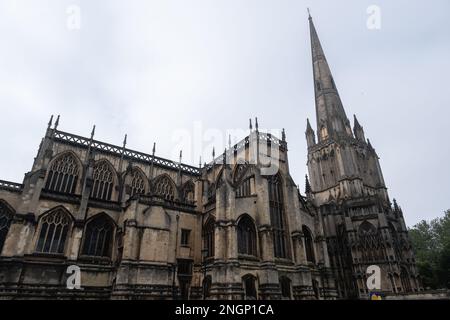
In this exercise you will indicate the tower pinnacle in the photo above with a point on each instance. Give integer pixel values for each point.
(310, 138)
(358, 130)
(308, 189)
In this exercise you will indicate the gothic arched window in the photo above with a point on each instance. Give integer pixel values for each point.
(137, 183)
(309, 244)
(249, 287)
(277, 216)
(188, 192)
(98, 237)
(6, 216)
(246, 235)
(366, 229)
(208, 238)
(369, 242)
(285, 284)
(164, 188)
(240, 171)
(245, 187)
(63, 174)
(54, 229)
(103, 177)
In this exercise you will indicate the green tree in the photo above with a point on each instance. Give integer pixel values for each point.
(431, 242)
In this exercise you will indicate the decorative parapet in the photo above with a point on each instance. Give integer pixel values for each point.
(126, 153)
(11, 186)
(247, 142)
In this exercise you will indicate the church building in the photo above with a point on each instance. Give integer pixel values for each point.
(138, 226)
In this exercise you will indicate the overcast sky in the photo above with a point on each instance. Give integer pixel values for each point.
(166, 70)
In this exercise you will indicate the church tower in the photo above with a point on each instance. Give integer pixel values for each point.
(348, 188)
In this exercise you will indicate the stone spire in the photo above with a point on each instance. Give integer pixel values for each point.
(332, 121)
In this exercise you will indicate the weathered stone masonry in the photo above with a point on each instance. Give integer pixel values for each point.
(144, 227)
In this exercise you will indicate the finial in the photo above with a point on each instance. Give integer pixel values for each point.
(50, 122)
(214, 153)
(309, 13)
(308, 125)
(356, 122)
(256, 123)
(250, 126)
(125, 140)
(395, 205)
(200, 162)
(283, 135)
(181, 155)
(154, 148)
(307, 185)
(56, 122)
(93, 132)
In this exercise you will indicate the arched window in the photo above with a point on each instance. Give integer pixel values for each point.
(370, 244)
(206, 287)
(246, 235)
(366, 228)
(245, 187)
(208, 238)
(277, 216)
(103, 177)
(6, 216)
(63, 174)
(54, 228)
(285, 284)
(309, 244)
(240, 171)
(249, 282)
(137, 183)
(164, 187)
(188, 192)
(98, 237)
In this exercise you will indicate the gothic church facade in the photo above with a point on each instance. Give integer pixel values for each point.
(142, 227)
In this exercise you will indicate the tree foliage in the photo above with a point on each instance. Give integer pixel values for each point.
(431, 242)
